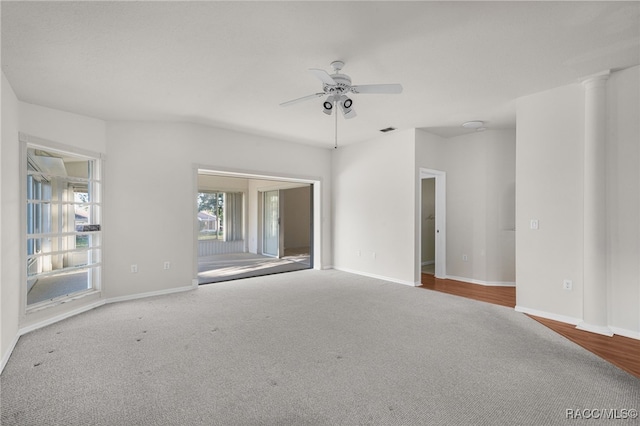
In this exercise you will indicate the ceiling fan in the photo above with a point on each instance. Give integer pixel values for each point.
(336, 87)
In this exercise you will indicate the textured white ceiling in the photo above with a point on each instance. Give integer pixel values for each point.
(230, 64)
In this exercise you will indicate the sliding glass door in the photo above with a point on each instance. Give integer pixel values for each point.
(271, 223)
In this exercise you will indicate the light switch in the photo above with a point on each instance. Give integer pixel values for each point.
(534, 224)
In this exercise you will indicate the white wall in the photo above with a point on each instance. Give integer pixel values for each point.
(500, 204)
(63, 127)
(480, 171)
(152, 165)
(549, 163)
(623, 201)
(374, 200)
(9, 223)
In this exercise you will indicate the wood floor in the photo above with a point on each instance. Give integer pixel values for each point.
(620, 351)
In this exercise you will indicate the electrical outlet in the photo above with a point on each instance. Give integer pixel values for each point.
(567, 285)
(167, 265)
(535, 225)
(465, 258)
(358, 253)
(134, 269)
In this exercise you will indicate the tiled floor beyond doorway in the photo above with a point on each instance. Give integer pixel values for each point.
(232, 266)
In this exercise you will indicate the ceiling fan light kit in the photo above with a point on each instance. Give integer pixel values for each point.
(336, 86)
(328, 106)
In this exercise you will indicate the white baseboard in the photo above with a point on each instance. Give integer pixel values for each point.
(150, 294)
(7, 355)
(579, 323)
(626, 333)
(598, 329)
(487, 283)
(60, 317)
(548, 315)
(378, 277)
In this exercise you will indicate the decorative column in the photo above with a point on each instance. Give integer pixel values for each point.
(595, 266)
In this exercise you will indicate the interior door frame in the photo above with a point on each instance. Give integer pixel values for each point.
(318, 225)
(441, 221)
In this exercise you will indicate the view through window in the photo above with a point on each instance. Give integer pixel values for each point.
(63, 229)
(220, 216)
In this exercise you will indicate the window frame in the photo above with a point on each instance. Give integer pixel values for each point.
(94, 180)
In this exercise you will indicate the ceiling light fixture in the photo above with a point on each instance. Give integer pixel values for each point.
(473, 124)
(328, 105)
(345, 104)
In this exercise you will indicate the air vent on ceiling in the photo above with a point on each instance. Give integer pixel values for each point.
(388, 129)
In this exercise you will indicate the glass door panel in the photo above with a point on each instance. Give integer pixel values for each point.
(271, 225)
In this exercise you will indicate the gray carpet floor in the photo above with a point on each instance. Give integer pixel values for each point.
(306, 348)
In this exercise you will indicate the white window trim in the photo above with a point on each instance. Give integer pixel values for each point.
(52, 146)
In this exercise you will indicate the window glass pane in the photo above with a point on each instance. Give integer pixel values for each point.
(77, 168)
(82, 258)
(63, 224)
(220, 216)
(57, 285)
(39, 218)
(210, 206)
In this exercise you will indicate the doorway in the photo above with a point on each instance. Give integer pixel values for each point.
(428, 233)
(287, 222)
(251, 226)
(432, 258)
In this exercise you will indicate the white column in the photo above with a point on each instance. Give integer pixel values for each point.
(595, 267)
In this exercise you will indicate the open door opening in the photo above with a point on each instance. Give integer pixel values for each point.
(433, 223)
(249, 227)
(428, 233)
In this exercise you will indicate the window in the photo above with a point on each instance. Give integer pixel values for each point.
(220, 216)
(63, 232)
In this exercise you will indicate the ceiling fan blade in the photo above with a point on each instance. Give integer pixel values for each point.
(302, 99)
(378, 88)
(323, 76)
